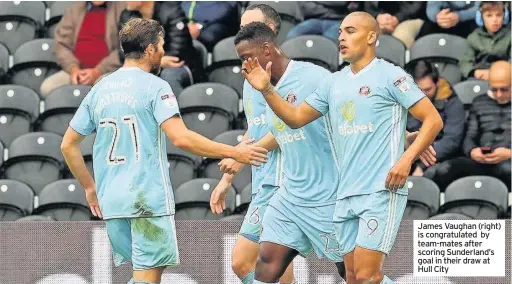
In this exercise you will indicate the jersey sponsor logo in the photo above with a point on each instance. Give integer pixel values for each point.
(278, 124)
(248, 106)
(364, 91)
(285, 137)
(169, 100)
(256, 121)
(402, 84)
(348, 111)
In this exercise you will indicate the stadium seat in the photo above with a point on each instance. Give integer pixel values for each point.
(480, 197)
(57, 9)
(443, 50)
(226, 66)
(235, 217)
(210, 168)
(35, 159)
(60, 107)
(16, 200)
(290, 14)
(182, 165)
(423, 199)
(193, 200)
(20, 21)
(391, 49)
(208, 108)
(4, 62)
(35, 218)
(245, 200)
(313, 48)
(1, 153)
(202, 51)
(468, 90)
(19, 107)
(450, 216)
(33, 62)
(64, 200)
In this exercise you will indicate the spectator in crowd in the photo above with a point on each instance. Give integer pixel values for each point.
(181, 64)
(487, 141)
(450, 17)
(490, 42)
(323, 17)
(86, 44)
(448, 142)
(211, 21)
(403, 20)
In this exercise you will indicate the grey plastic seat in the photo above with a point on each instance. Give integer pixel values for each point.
(208, 108)
(423, 199)
(391, 49)
(480, 197)
(19, 107)
(226, 66)
(20, 21)
(210, 168)
(469, 90)
(182, 165)
(235, 217)
(35, 159)
(33, 62)
(193, 200)
(86, 147)
(60, 107)
(4, 61)
(444, 51)
(245, 200)
(313, 48)
(36, 218)
(64, 200)
(202, 51)
(450, 216)
(57, 9)
(1, 153)
(16, 200)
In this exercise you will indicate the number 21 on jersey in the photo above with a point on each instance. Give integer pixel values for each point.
(131, 121)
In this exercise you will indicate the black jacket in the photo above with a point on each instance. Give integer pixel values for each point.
(405, 10)
(489, 125)
(178, 41)
(334, 10)
(448, 141)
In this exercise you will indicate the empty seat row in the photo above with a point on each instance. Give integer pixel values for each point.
(476, 197)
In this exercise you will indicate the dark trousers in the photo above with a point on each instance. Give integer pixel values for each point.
(446, 172)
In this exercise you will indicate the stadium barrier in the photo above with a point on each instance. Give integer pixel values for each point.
(79, 253)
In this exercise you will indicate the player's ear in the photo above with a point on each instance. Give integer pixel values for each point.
(372, 37)
(266, 48)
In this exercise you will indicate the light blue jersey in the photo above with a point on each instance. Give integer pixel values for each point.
(368, 111)
(310, 175)
(126, 109)
(255, 108)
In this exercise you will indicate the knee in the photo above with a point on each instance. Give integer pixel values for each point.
(241, 267)
(368, 277)
(266, 267)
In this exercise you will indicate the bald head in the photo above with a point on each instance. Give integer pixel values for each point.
(500, 81)
(364, 21)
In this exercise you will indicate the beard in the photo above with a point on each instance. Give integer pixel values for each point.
(155, 70)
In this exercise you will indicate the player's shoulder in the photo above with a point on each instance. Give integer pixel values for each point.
(391, 68)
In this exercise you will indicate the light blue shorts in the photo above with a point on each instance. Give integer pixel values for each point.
(145, 242)
(251, 227)
(369, 221)
(301, 228)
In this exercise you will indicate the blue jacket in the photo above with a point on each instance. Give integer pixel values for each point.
(466, 12)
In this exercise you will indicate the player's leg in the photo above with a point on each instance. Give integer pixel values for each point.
(243, 258)
(346, 226)
(272, 262)
(120, 237)
(154, 247)
(380, 216)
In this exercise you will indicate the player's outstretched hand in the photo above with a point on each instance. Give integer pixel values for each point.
(92, 199)
(397, 176)
(250, 154)
(230, 166)
(218, 197)
(428, 157)
(258, 77)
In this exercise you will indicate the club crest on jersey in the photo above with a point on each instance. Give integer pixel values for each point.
(169, 100)
(291, 98)
(402, 84)
(364, 91)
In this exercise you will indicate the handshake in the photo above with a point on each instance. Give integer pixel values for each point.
(246, 153)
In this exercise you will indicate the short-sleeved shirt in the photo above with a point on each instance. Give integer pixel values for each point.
(126, 109)
(368, 111)
(309, 173)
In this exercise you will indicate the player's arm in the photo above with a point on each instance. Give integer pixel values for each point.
(197, 144)
(295, 117)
